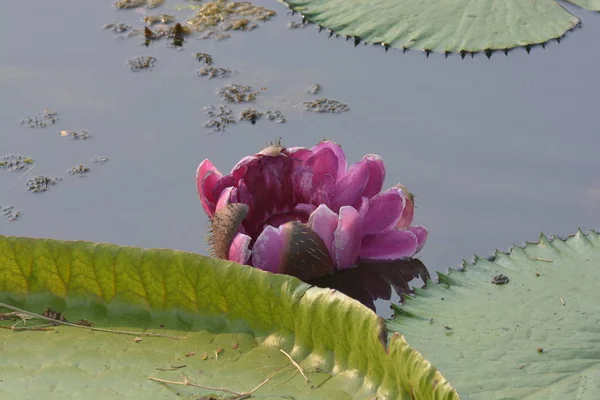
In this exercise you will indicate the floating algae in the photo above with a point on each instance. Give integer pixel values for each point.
(216, 17)
(15, 163)
(216, 72)
(141, 63)
(221, 117)
(325, 106)
(237, 94)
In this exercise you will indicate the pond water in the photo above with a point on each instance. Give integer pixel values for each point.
(496, 150)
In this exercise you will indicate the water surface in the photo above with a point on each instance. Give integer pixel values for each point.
(496, 151)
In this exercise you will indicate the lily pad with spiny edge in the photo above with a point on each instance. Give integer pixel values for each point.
(457, 26)
(534, 335)
(230, 328)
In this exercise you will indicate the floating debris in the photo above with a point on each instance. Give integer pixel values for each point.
(15, 163)
(314, 89)
(216, 72)
(217, 16)
(118, 27)
(81, 135)
(325, 106)
(41, 183)
(237, 94)
(10, 213)
(500, 279)
(276, 116)
(221, 116)
(158, 19)
(49, 117)
(177, 34)
(296, 25)
(100, 160)
(251, 115)
(141, 63)
(79, 170)
(138, 3)
(53, 314)
(204, 57)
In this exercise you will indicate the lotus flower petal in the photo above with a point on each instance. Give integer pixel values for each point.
(363, 209)
(351, 187)
(391, 245)
(267, 253)
(336, 149)
(227, 196)
(206, 178)
(421, 234)
(385, 210)
(239, 251)
(300, 154)
(376, 175)
(324, 222)
(303, 212)
(409, 205)
(347, 238)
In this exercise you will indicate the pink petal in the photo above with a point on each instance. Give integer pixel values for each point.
(323, 222)
(347, 238)
(245, 196)
(339, 155)
(421, 234)
(269, 187)
(239, 170)
(385, 210)
(391, 245)
(305, 208)
(408, 211)
(376, 175)
(227, 196)
(363, 209)
(239, 251)
(267, 253)
(206, 178)
(349, 190)
(323, 163)
(314, 181)
(298, 153)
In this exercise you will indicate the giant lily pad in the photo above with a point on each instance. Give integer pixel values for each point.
(523, 325)
(444, 26)
(232, 324)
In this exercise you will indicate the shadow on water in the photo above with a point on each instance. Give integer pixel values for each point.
(373, 281)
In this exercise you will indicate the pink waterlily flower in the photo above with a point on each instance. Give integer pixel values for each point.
(305, 212)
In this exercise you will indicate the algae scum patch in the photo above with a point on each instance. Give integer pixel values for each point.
(10, 213)
(325, 106)
(216, 18)
(237, 94)
(41, 183)
(221, 117)
(141, 63)
(73, 135)
(216, 72)
(213, 20)
(138, 3)
(47, 117)
(15, 163)
(79, 170)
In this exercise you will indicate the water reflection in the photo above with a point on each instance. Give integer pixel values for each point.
(372, 281)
